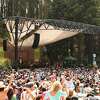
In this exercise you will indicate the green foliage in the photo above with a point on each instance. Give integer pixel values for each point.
(4, 62)
(27, 8)
(74, 10)
(3, 31)
(1, 52)
(37, 54)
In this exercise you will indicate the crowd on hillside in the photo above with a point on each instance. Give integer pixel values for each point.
(50, 84)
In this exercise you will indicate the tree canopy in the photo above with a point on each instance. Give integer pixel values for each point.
(75, 10)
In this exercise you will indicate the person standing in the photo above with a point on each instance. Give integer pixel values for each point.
(55, 93)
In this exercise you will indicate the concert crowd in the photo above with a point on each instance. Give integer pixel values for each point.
(75, 83)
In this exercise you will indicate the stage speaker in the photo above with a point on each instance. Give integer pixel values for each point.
(36, 40)
(5, 45)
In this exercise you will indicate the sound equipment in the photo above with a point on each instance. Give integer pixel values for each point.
(5, 45)
(36, 40)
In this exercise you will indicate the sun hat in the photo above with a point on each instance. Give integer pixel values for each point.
(2, 84)
(29, 84)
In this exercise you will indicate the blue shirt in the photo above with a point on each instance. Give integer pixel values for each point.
(58, 95)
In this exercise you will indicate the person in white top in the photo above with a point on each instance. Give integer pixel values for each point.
(28, 93)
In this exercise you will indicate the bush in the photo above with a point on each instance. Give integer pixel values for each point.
(4, 63)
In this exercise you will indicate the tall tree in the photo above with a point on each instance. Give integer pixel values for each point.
(75, 10)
